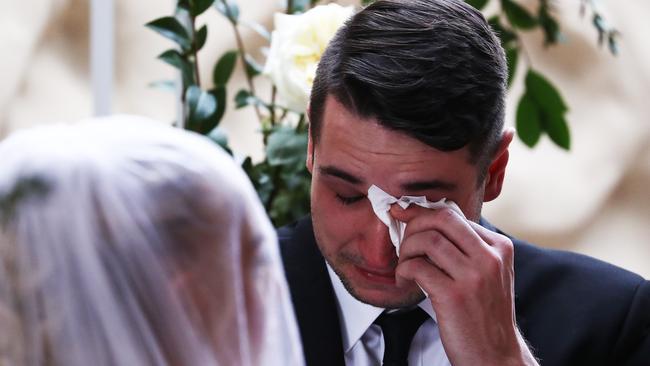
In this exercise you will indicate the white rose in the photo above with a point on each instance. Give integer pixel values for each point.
(297, 43)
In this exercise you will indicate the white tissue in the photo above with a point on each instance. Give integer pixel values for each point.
(382, 201)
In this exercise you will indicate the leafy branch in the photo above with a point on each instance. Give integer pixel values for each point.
(605, 31)
(281, 179)
(541, 108)
(202, 110)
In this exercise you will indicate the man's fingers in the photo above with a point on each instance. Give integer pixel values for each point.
(485, 234)
(429, 277)
(490, 237)
(438, 249)
(497, 241)
(452, 225)
(408, 214)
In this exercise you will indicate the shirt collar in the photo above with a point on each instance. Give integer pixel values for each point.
(355, 316)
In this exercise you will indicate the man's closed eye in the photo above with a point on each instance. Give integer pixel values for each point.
(348, 200)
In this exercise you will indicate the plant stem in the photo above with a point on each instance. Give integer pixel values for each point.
(301, 123)
(195, 52)
(274, 89)
(284, 114)
(242, 55)
(274, 92)
(273, 193)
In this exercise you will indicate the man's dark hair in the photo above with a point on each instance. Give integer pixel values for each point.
(432, 69)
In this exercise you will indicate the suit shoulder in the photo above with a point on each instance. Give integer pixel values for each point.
(537, 262)
(594, 310)
(285, 233)
(534, 262)
(562, 290)
(298, 247)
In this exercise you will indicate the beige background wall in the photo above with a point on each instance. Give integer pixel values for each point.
(592, 199)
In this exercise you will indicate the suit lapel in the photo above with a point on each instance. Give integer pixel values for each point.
(313, 297)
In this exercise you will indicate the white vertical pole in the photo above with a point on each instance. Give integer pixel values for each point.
(102, 58)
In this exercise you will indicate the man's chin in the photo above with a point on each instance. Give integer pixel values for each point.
(381, 292)
(388, 301)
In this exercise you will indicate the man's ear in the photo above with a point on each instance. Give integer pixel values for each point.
(310, 152)
(497, 169)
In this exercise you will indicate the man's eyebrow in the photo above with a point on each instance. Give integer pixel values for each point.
(340, 173)
(435, 184)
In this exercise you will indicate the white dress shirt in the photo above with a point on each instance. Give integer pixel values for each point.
(363, 341)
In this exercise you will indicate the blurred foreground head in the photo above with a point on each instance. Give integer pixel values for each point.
(127, 242)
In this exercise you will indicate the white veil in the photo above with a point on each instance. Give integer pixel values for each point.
(127, 242)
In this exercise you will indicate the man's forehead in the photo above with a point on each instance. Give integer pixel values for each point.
(415, 182)
(351, 146)
(363, 145)
(342, 127)
(343, 123)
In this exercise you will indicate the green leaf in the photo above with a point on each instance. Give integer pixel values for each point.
(171, 28)
(512, 57)
(197, 7)
(188, 77)
(220, 138)
(549, 25)
(545, 94)
(293, 176)
(367, 2)
(259, 176)
(280, 207)
(477, 4)
(551, 106)
(611, 42)
(244, 98)
(220, 94)
(184, 18)
(229, 9)
(176, 59)
(202, 106)
(557, 129)
(249, 169)
(300, 6)
(601, 27)
(291, 200)
(286, 147)
(224, 68)
(517, 15)
(252, 67)
(528, 124)
(200, 37)
(212, 122)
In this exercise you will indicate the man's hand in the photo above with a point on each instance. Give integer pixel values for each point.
(468, 273)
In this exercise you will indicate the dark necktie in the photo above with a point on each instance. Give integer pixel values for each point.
(398, 329)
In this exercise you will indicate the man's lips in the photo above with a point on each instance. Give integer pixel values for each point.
(376, 275)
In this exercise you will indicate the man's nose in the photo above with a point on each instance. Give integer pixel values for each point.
(378, 251)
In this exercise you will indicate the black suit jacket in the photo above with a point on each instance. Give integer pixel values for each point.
(572, 309)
